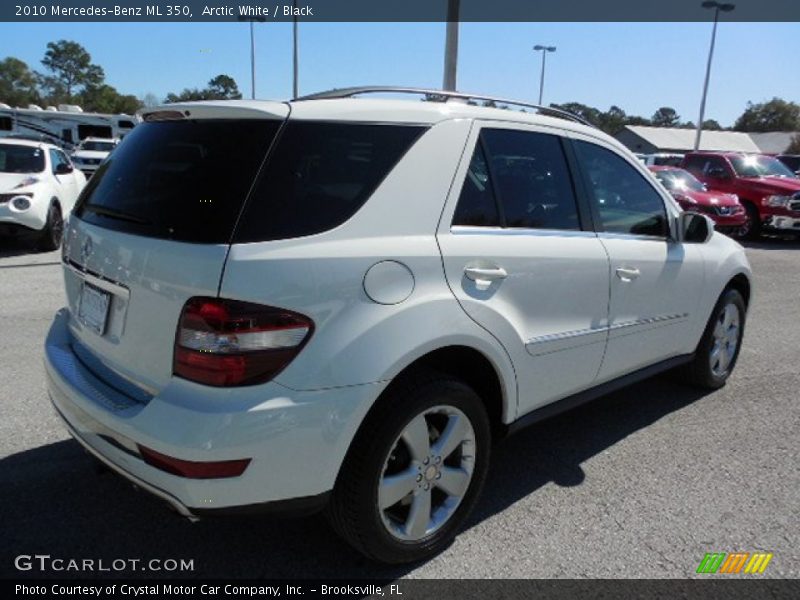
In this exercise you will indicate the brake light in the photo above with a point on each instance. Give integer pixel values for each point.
(230, 343)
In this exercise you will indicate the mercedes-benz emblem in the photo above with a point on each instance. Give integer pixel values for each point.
(86, 249)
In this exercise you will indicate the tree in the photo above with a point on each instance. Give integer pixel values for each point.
(71, 67)
(105, 98)
(665, 117)
(587, 113)
(221, 87)
(149, 100)
(17, 83)
(775, 115)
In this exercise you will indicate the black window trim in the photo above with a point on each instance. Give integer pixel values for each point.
(595, 211)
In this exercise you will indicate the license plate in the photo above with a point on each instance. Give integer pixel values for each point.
(93, 308)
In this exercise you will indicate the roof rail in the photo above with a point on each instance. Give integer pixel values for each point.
(439, 96)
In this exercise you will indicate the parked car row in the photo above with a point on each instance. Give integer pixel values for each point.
(745, 194)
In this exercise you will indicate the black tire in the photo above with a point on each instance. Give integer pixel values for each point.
(752, 229)
(700, 371)
(50, 238)
(354, 507)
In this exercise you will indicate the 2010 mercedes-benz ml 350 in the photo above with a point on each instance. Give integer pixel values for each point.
(341, 302)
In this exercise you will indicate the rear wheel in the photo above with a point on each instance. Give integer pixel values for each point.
(719, 347)
(414, 471)
(53, 231)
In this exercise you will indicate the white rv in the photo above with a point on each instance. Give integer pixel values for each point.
(65, 124)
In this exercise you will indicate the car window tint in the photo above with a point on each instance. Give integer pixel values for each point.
(694, 164)
(476, 204)
(318, 176)
(532, 179)
(55, 160)
(625, 201)
(184, 180)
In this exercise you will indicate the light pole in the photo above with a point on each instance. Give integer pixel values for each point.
(252, 52)
(252, 63)
(294, 52)
(451, 46)
(544, 50)
(717, 6)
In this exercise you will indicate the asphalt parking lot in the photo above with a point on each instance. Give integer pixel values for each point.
(641, 483)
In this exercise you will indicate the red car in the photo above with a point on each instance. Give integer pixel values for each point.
(725, 209)
(768, 190)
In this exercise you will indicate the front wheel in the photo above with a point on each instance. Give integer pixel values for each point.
(751, 230)
(53, 230)
(414, 471)
(719, 347)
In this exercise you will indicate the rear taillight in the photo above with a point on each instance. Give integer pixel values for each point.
(231, 343)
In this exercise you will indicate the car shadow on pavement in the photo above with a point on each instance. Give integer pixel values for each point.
(772, 243)
(13, 246)
(54, 502)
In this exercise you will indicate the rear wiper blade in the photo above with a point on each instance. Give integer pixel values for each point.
(114, 214)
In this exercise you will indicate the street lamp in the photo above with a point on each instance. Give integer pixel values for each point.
(451, 46)
(717, 6)
(544, 50)
(252, 53)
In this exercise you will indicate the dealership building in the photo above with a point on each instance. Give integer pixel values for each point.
(649, 140)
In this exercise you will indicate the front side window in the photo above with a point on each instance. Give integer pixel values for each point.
(624, 200)
(529, 174)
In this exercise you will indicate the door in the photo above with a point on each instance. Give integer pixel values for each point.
(522, 259)
(656, 282)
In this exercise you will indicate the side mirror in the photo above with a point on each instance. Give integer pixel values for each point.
(718, 173)
(694, 228)
(64, 169)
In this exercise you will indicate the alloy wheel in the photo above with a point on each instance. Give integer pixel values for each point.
(427, 473)
(726, 340)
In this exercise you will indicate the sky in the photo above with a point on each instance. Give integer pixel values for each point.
(636, 66)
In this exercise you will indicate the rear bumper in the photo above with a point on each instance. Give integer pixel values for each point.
(296, 441)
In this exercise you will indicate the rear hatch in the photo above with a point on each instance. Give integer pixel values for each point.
(152, 229)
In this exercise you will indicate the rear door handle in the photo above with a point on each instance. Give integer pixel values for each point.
(484, 276)
(627, 274)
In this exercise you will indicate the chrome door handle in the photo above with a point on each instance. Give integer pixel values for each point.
(484, 276)
(627, 274)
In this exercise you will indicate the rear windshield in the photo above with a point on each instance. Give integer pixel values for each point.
(178, 180)
(319, 175)
(21, 159)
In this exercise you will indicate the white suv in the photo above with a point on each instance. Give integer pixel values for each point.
(91, 152)
(340, 302)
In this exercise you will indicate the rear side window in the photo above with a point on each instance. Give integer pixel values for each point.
(319, 175)
(624, 200)
(529, 174)
(179, 180)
